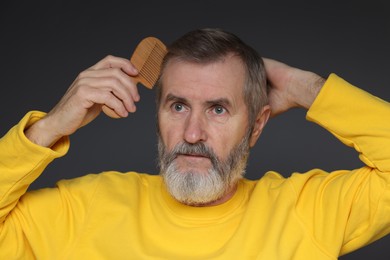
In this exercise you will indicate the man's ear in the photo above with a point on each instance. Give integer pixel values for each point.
(261, 121)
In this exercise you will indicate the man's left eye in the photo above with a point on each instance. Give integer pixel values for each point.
(219, 110)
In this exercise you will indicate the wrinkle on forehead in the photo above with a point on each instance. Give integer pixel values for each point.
(224, 78)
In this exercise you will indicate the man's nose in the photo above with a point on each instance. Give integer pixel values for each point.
(195, 128)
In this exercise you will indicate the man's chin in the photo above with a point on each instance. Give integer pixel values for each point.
(194, 171)
(194, 188)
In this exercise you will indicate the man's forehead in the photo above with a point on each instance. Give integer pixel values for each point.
(217, 79)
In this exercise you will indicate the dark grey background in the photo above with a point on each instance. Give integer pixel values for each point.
(45, 44)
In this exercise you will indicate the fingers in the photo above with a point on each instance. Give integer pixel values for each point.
(91, 95)
(110, 80)
(116, 62)
(119, 83)
(276, 70)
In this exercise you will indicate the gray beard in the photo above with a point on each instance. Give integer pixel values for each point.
(196, 189)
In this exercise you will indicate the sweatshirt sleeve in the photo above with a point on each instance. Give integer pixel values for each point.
(348, 209)
(357, 118)
(22, 161)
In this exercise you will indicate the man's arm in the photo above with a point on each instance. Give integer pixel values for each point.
(106, 83)
(290, 87)
(346, 209)
(39, 138)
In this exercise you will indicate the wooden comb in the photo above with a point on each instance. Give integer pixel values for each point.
(147, 58)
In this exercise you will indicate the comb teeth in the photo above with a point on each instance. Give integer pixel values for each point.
(153, 63)
(147, 58)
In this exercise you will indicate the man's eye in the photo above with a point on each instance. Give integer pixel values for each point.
(178, 107)
(219, 110)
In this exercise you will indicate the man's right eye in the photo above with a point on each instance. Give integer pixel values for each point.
(178, 107)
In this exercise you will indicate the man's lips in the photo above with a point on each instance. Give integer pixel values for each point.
(197, 161)
(193, 155)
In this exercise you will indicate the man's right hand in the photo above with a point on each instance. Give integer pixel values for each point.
(107, 83)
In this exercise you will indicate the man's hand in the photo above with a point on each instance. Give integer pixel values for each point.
(107, 83)
(290, 87)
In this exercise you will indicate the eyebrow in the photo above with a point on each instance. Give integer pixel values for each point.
(170, 97)
(220, 101)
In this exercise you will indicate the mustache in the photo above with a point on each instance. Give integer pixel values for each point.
(198, 149)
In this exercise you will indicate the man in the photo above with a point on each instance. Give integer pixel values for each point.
(212, 107)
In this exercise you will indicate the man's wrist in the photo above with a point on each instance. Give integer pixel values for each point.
(308, 88)
(39, 134)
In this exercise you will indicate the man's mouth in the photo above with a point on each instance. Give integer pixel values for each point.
(193, 155)
(193, 158)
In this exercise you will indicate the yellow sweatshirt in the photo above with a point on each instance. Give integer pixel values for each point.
(112, 215)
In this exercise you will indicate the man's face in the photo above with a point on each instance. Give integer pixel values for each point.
(203, 126)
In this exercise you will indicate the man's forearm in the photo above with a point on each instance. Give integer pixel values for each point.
(307, 88)
(290, 87)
